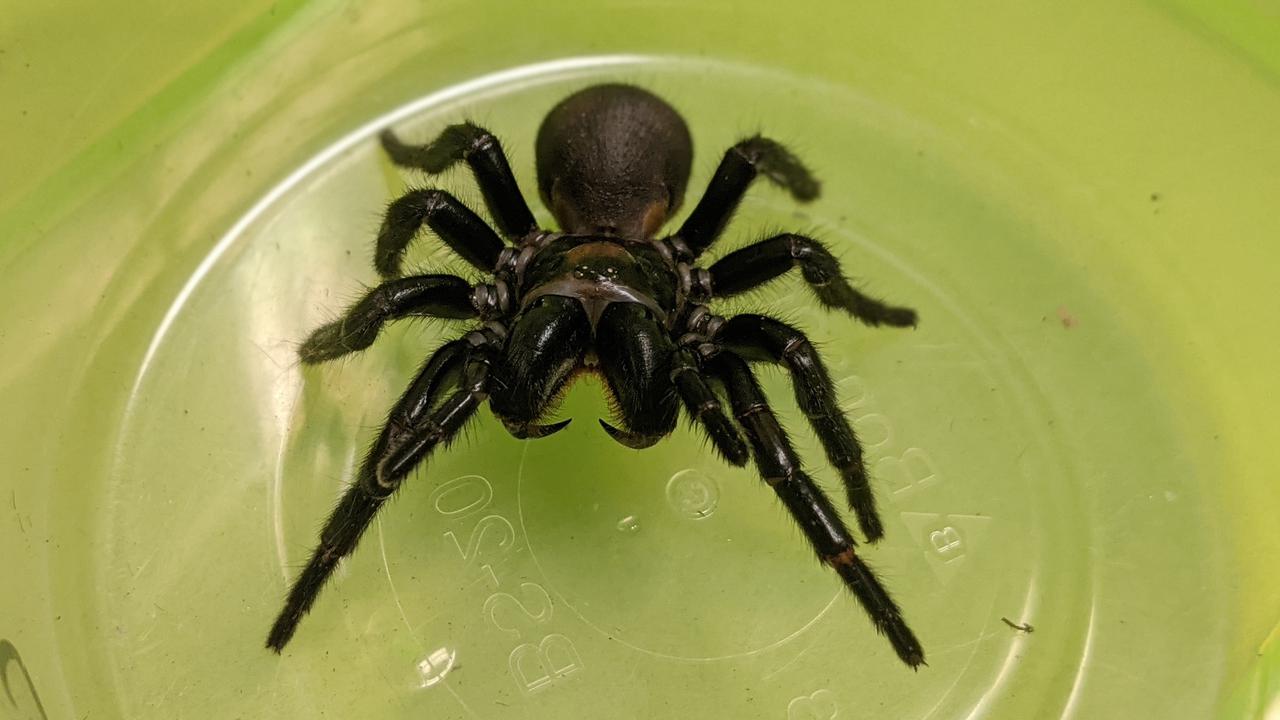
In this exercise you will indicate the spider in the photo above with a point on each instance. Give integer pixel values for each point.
(607, 296)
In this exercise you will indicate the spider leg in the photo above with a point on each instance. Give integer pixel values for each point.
(545, 346)
(780, 466)
(442, 296)
(461, 229)
(757, 264)
(739, 167)
(757, 337)
(482, 151)
(415, 427)
(704, 407)
(635, 357)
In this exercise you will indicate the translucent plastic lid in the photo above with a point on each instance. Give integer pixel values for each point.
(1071, 451)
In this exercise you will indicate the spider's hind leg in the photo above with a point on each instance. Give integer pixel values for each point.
(780, 467)
(482, 151)
(741, 164)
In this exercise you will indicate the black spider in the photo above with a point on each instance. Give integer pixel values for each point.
(605, 295)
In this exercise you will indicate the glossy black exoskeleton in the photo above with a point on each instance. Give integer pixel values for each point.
(605, 293)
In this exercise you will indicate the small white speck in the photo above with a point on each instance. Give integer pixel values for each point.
(436, 666)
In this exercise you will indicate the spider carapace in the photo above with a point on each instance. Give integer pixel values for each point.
(606, 293)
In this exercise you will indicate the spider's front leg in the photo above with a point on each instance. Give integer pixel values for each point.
(756, 337)
(703, 406)
(780, 466)
(757, 264)
(741, 164)
(417, 424)
(482, 151)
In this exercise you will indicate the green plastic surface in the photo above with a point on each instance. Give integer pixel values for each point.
(1080, 199)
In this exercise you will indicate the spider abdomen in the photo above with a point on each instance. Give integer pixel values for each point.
(613, 159)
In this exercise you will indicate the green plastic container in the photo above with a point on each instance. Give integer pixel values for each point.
(1079, 439)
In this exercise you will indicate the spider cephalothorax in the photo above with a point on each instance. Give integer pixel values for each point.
(604, 293)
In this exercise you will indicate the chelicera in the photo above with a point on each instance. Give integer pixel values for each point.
(605, 293)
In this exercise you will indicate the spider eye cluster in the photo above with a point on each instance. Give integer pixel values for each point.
(595, 273)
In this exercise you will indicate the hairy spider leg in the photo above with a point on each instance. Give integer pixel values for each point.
(461, 229)
(760, 338)
(741, 164)
(704, 407)
(442, 296)
(635, 359)
(780, 467)
(757, 264)
(546, 344)
(415, 426)
(482, 151)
